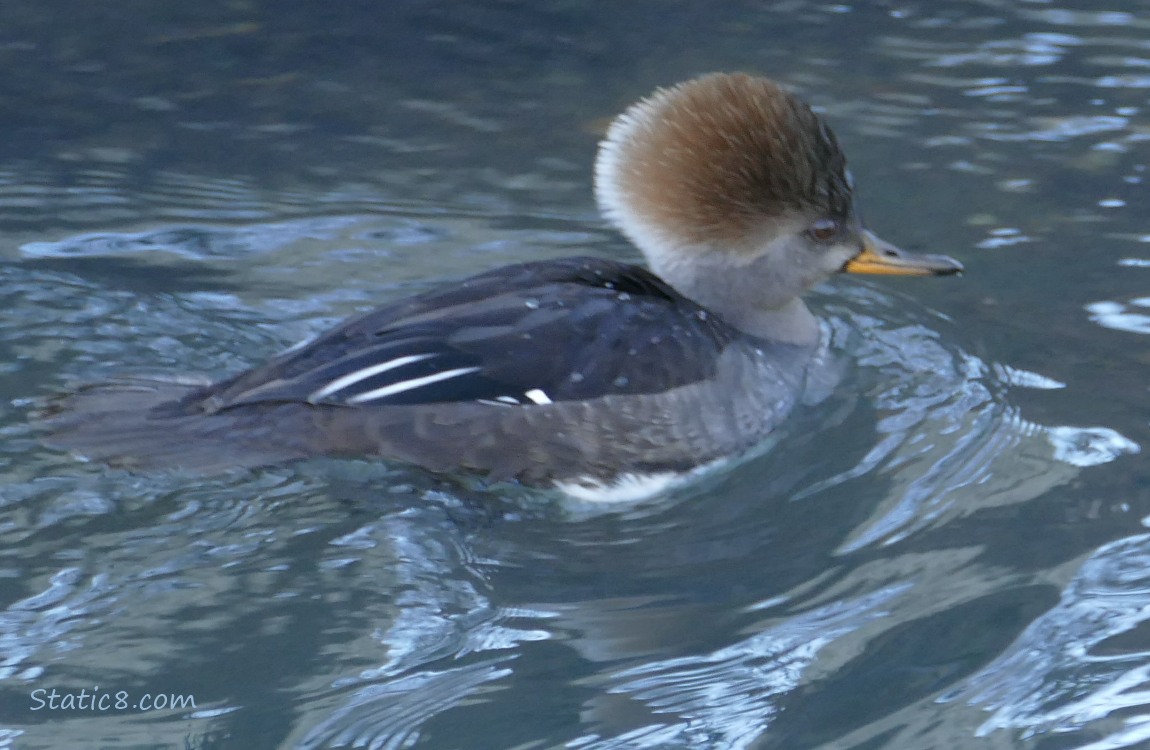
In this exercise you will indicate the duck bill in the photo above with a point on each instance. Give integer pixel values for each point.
(879, 256)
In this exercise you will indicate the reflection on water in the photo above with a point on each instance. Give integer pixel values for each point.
(1122, 317)
(1082, 661)
(945, 551)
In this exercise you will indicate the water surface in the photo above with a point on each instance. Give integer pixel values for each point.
(947, 551)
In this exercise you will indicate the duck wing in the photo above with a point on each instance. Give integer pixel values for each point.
(533, 333)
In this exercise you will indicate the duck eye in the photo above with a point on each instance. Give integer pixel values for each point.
(823, 230)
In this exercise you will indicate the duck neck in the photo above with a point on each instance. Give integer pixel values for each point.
(793, 323)
(739, 299)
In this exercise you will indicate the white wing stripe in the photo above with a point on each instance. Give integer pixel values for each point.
(537, 396)
(354, 377)
(407, 385)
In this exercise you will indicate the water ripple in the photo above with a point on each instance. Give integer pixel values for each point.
(390, 716)
(728, 698)
(949, 441)
(1082, 661)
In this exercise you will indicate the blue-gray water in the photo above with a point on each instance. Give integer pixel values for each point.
(950, 551)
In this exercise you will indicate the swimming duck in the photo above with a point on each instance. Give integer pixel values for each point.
(599, 377)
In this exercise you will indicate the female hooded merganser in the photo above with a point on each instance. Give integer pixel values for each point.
(582, 373)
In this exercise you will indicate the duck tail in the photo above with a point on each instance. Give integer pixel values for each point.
(142, 423)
